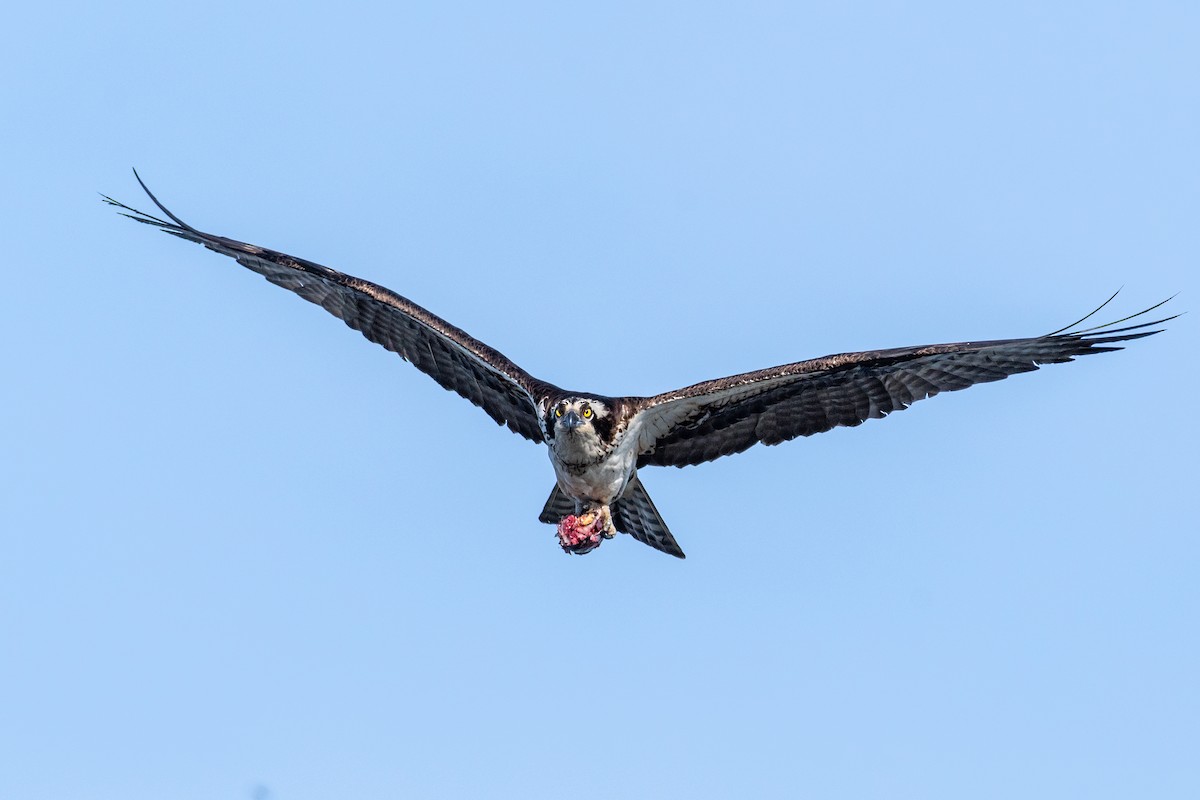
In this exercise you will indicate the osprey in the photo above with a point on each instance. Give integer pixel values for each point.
(598, 443)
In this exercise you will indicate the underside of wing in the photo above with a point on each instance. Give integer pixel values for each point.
(717, 418)
(447, 354)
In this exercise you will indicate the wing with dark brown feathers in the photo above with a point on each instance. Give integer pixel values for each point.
(447, 354)
(717, 418)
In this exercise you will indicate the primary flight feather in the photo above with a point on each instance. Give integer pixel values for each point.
(597, 443)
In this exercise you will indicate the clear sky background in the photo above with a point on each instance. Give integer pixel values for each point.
(247, 554)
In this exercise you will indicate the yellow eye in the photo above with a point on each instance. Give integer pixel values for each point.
(558, 412)
(587, 412)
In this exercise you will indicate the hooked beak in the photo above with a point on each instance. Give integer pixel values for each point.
(571, 421)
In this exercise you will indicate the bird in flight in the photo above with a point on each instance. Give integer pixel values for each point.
(597, 443)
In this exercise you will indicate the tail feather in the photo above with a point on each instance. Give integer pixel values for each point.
(557, 507)
(634, 513)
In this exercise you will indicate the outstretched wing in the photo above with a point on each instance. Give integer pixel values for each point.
(447, 354)
(720, 417)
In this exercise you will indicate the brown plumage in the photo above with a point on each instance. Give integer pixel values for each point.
(597, 443)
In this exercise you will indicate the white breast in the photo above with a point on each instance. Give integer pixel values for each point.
(601, 482)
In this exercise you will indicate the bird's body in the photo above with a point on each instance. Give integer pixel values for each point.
(589, 473)
(597, 444)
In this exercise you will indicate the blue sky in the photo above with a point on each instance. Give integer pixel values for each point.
(246, 554)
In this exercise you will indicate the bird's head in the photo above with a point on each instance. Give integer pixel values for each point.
(579, 419)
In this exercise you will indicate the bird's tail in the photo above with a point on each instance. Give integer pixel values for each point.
(634, 513)
(557, 507)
